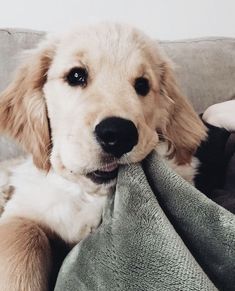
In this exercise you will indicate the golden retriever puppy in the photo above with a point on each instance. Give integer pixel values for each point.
(82, 104)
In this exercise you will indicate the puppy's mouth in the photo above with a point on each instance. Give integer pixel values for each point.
(105, 174)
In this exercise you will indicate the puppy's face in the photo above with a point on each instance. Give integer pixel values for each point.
(101, 96)
(105, 93)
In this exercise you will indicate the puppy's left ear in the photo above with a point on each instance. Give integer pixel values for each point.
(23, 113)
(184, 129)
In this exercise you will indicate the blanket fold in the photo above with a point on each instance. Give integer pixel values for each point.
(158, 233)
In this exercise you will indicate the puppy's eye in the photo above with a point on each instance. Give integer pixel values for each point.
(142, 86)
(77, 77)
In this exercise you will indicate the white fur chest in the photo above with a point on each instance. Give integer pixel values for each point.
(53, 201)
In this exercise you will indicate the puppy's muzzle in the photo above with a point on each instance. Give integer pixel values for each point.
(116, 135)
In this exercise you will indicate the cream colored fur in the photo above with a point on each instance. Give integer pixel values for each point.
(55, 123)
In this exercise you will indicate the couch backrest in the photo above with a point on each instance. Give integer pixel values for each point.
(205, 68)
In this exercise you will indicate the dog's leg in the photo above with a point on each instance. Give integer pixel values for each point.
(25, 256)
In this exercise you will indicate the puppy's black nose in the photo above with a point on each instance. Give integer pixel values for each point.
(116, 136)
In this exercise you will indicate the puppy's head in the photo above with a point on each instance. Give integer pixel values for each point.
(95, 98)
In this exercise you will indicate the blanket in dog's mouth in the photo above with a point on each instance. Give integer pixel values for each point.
(158, 233)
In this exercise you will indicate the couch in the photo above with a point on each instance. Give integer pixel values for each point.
(205, 68)
(179, 227)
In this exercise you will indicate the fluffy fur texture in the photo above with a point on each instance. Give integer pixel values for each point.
(55, 123)
(25, 258)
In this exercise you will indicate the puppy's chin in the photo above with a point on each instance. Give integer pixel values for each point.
(93, 188)
(86, 183)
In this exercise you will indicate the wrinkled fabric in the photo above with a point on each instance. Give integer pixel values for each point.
(158, 233)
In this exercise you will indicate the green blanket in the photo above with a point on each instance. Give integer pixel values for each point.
(158, 233)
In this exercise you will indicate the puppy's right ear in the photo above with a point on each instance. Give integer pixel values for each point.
(23, 112)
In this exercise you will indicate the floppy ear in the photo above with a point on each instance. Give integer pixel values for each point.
(23, 113)
(184, 129)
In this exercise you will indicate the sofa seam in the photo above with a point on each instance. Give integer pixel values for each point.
(204, 39)
(197, 40)
(12, 32)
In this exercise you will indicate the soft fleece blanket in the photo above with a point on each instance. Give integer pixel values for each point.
(158, 233)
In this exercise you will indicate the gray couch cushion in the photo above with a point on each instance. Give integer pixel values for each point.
(205, 68)
(12, 43)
